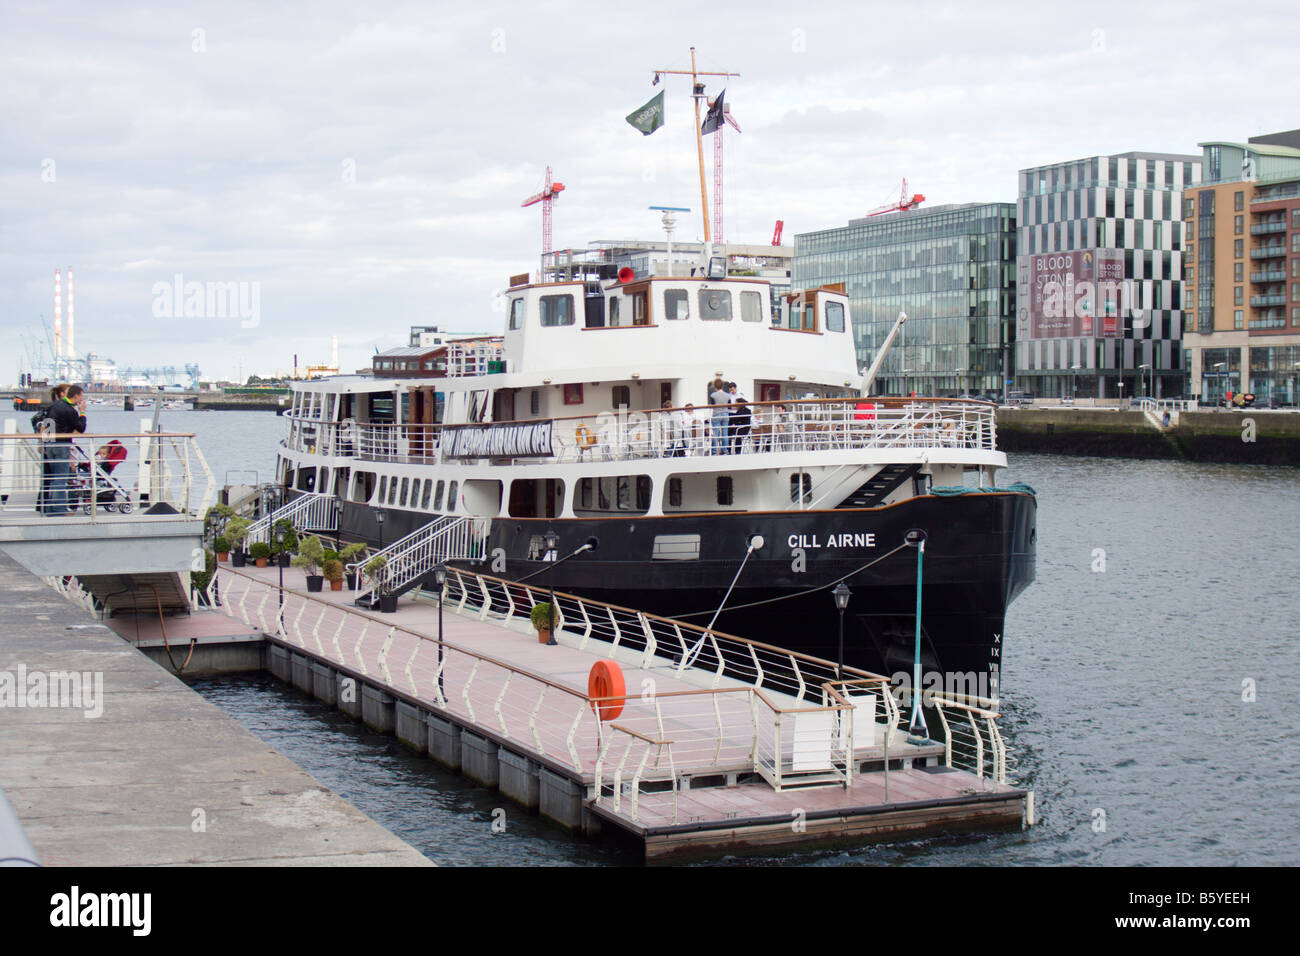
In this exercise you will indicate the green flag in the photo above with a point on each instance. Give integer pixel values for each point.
(649, 117)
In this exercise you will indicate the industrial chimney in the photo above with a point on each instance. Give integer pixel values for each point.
(58, 321)
(71, 350)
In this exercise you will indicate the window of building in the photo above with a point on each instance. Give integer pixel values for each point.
(557, 310)
(834, 317)
(1295, 268)
(1238, 225)
(715, 305)
(1239, 200)
(1295, 316)
(1295, 291)
(1295, 242)
(751, 307)
(1238, 269)
(676, 305)
(516, 313)
(1189, 207)
(1238, 248)
(1237, 295)
(725, 490)
(1238, 319)
(622, 396)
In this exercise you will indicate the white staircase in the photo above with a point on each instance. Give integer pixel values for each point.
(308, 512)
(411, 558)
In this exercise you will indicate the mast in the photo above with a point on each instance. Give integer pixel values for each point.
(697, 94)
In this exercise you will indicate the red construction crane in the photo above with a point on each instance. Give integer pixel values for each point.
(776, 233)
(717, 170)
(903, 205)
(546, 197)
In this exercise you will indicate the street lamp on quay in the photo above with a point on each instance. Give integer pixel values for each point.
(440, 579)
(1223, 391)
(1144, 368)
(1074, 380)
(379, 521)
(906, 390)
(337, 507)
(551, 539)
(965, 392)
(841, 595)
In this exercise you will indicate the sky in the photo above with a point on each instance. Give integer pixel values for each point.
(352, 169)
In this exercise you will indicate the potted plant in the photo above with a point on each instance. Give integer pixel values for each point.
(286, 534)
(222, 547)
(260, 551)
(236, 532)
(311, 555)
(348, 555)
(333, 571)
(374, 573)
(540, 616)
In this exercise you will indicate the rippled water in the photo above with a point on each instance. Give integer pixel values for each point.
(1123, 687)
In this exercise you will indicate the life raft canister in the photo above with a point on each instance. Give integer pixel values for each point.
(606, 681)
(586, 438)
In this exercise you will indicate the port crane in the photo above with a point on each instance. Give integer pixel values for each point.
(904, 204)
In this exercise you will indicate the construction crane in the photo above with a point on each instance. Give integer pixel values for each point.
(776, 233)
(545, 197)
(717, 170)
(904, 203)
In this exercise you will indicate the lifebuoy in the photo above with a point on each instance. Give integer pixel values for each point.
(606, 681)
(586, 438)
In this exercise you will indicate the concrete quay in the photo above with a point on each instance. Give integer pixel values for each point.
(160, 777)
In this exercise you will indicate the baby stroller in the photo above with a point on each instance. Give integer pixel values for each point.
(97, 478)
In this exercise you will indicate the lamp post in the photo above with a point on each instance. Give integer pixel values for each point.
(841, 595)
(552, 539)
(1223, 392)
(916, 729)
(964, 390)
(1074, 381)
(440, 579)
(379, 520)
(906, 390)
(278, 534)
(337, 507)
(1146, 392)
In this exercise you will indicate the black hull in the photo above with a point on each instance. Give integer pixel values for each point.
(980, 554)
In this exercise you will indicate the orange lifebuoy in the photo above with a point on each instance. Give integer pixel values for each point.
(585, 436)
(606, 681)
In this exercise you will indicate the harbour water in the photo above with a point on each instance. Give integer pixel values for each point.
(1149, 682)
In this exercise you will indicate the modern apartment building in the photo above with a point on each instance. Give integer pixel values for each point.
(1243, 271)
(1099, 310)
(951, 268)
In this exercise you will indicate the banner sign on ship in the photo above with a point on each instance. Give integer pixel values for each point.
(500, 441)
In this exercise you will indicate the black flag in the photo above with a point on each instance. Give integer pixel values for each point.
(714, 118)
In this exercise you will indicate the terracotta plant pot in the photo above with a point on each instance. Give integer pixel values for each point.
(543, 635)
(223, 556)
(336, 585)
(260, 562)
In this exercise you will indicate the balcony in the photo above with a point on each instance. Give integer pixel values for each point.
(1268, 228)
(1273, 275)
(1259, 301)
(1275, 251)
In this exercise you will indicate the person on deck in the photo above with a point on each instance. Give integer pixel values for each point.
(741, 419)
(720, 399)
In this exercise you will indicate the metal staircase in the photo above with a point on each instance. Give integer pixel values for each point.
(411, 558)
(876, 488)
(308, 512)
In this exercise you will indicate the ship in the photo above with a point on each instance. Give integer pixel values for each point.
(581, 446)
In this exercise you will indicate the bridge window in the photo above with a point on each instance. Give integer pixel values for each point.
(751, 307)
(835, 316)
(613, 311)
(676, 304)
(516, 313)
(557, 310)
(715, 305)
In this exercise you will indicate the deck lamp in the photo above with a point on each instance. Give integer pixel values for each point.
(440, 579)
(841, 595)
(916, 729)
(552, 539)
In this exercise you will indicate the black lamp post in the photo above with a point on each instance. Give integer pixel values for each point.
(379, 520)
(841, 595)
(440, 579)
(337, 506)
(551, 539)
(278, 534)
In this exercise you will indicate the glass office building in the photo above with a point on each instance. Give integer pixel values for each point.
(952, 269)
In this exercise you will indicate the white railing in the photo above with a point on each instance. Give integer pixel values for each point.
(99, 477)
(971, 738)
(798, 426)
(311, 511)
(410, 558)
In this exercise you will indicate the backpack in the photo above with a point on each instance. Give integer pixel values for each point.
(42, 421)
